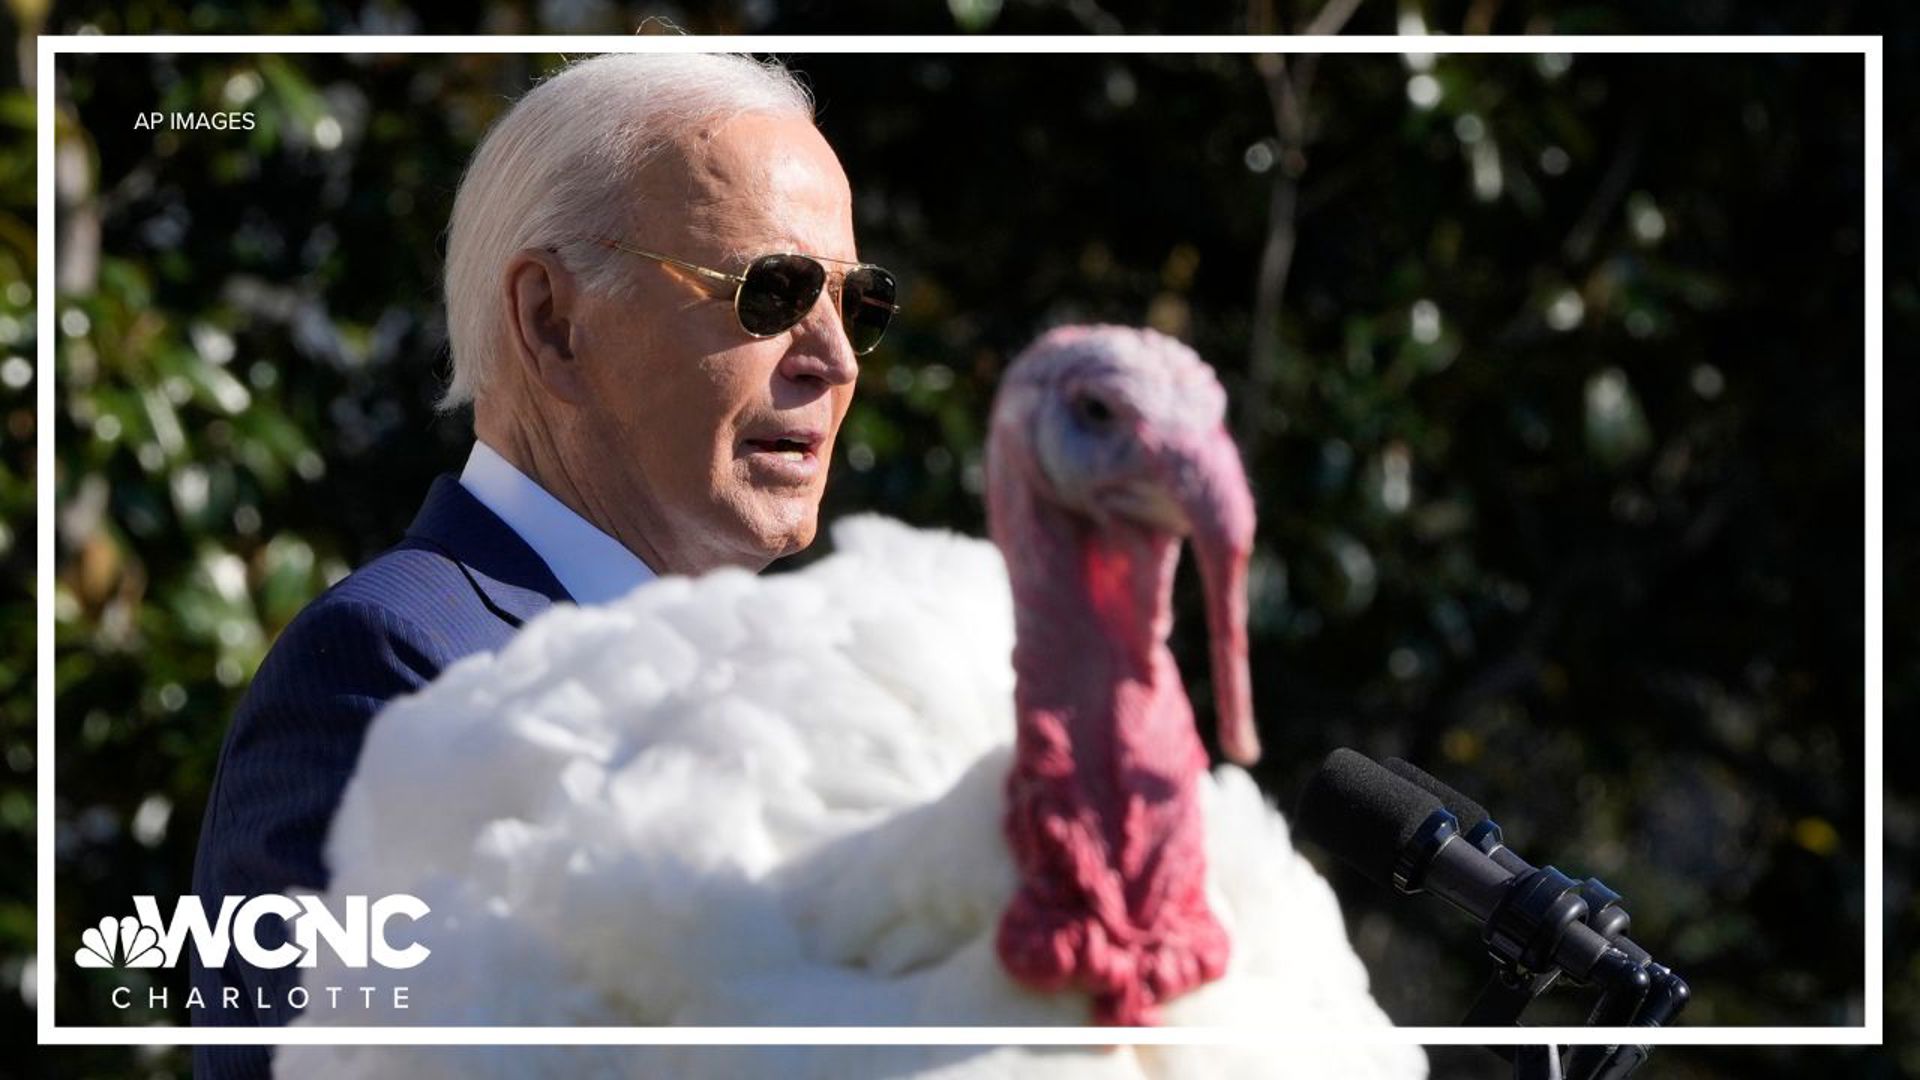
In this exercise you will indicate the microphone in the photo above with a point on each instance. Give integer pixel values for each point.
(1604, 913)
(1475, 823)
(1401, 835)
(1409, 831)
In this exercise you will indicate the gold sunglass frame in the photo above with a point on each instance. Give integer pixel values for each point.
(739, 283)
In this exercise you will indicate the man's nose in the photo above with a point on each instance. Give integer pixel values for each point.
(820, 349)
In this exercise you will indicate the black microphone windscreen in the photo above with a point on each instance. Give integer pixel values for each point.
(1362, 813)
(1469, 813)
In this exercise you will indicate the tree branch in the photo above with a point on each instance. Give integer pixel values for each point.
(1287, 91)
(1332, 17)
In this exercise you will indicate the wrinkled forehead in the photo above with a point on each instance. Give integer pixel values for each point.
(751, 180)
(1152, 373)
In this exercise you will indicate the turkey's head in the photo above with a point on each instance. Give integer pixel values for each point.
(1121, 432)
(1107, 450)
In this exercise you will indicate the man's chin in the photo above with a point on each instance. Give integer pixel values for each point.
(782, 527)
(800, 538)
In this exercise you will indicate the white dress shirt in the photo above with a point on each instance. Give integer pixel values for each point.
(592, 566)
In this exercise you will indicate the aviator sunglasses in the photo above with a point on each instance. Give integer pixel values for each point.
(778, 290)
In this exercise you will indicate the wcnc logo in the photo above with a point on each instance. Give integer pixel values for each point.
(357, 936)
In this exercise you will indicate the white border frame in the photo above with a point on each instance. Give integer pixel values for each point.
(48, 971)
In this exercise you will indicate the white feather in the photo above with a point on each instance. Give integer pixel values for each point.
(746, 800)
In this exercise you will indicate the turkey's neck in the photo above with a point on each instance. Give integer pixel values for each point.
(1093, 606)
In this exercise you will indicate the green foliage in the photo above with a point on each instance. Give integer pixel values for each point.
(1559, 450)
(18, 340)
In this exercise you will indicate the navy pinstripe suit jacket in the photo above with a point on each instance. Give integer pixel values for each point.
(461, 582)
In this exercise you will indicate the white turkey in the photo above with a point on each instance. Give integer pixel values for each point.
(916, 783)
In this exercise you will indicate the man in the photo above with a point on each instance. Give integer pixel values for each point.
(656, 311)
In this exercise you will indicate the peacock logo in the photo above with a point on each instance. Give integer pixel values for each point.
(123, 942)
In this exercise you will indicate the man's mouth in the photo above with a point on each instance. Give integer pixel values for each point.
(792, 449)
(786, 455)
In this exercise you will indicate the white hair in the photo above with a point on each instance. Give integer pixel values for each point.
(557, 170)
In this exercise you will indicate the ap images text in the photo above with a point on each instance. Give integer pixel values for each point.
(193, 121)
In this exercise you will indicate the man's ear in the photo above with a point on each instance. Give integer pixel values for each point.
(542, 299)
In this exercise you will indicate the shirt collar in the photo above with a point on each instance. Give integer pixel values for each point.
(594, 567)
(508, 574)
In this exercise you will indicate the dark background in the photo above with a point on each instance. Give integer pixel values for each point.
(1560, 479)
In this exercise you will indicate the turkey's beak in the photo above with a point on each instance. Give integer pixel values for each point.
(1210, 485)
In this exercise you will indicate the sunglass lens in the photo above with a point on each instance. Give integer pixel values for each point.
(866, 303)
(779, 291)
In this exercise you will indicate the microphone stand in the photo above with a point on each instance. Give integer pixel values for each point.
(1537, 910)
(1537, 923)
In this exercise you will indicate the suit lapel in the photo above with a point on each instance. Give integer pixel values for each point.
(513, 581)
